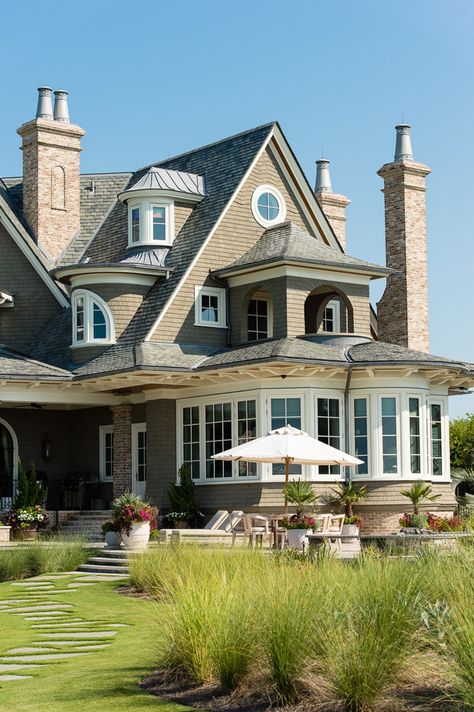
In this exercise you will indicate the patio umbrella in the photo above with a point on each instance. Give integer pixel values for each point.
(288, 445)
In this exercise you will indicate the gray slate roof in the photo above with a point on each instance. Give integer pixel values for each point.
(165, 179)
(290, 243)
(14, 365)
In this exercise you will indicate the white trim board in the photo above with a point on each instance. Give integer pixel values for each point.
(33, 260)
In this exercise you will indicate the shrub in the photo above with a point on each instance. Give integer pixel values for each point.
(41, 558)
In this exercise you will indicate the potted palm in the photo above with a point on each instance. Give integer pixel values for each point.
(302, 495)
(348, 494)
(134, 516)
(418, 493)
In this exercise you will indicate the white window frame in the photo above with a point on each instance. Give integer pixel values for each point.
(370, 454)
(104, 430)
(135, 429)
(218, 292)
(336, 306)
(89, 299)
(146, 222)
(234, 399)
(387, 475)
(333, 477)
(281, 202)
(423, 436)
(446, 474)
(267, 470)
(269, 302)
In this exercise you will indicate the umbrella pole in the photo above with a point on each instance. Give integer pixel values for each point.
(287, 468)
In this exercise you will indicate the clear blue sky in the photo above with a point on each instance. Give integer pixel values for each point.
(155, 79)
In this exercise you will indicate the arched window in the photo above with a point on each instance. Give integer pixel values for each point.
(92, 320)
(8, 464)
(259, 316)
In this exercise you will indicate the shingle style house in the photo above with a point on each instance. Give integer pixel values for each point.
(151, 319)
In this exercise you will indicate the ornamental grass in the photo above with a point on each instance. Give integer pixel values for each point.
(324, 634)
(42, 557)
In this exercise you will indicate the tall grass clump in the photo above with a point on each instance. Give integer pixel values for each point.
(375, 633)
(41, 558)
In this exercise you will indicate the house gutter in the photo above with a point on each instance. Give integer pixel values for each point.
(347, 443)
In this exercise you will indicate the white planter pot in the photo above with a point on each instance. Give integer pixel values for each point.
(138, 537)
(113, 539)
(297, 539)
(350, 530)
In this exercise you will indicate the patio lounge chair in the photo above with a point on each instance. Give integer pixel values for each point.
(221, 530)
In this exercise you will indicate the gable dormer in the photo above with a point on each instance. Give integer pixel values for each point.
(151, 205)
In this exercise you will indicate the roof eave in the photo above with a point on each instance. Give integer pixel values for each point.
(373, 272)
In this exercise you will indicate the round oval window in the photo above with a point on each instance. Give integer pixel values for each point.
(268, 206)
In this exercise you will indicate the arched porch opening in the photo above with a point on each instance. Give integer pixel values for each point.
(328, 310)
(8, 464)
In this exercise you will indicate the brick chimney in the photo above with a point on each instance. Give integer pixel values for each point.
(51, 174)
(332, 204)
(402, 313)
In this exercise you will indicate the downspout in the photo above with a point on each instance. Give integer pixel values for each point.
(347, 440)
(224, 284)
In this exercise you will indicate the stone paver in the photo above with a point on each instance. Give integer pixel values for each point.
(40, 658)
(90, 648)
(80, 634)
(9, 678)
(10, 667)
(68, 643)
(21, 651)
(55, 616)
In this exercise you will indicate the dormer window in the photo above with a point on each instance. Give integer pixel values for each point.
(92, 320)
(150, 223)
(209, 307)
(332, 317)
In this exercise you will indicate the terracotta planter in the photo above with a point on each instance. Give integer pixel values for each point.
(180, 525)
(113, 539)
(297, 539)
(138, 537)
(4, 534)
(29, 534)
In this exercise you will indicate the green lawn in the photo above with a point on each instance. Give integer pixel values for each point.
(103, 680)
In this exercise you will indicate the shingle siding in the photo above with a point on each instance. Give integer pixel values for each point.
(35, 304)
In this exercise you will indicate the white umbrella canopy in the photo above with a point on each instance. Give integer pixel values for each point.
(288, 445)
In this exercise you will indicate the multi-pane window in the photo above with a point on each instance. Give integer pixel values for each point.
(436, 439)
(218, 422)
(159, 222)
(257, 319)
(268, 206)
(361, 435)
(415, 435)
(210, 306)
(135, 224)
(106, 439)
(389, 436)
(141, 456)
(332, 317)
(99, 323)
(79, 303)
(92, 320)
(246, 430)
(329, 429)
(286, 411)
(191, 456)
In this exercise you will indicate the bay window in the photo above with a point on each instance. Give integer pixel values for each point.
(218, 424)
(361, 434)
(150, 223)
(415, 435)
(389, 427)
(329, 429)
(285, 411)
(92, 320)
(436, 431)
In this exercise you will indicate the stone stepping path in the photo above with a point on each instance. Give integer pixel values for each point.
(59, 635)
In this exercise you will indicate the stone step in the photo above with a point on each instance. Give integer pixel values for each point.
(102, 569)
(113, 563)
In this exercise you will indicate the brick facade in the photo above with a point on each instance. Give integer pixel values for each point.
(122, 422)
(51, 182)
(402, 313)
(334, 207)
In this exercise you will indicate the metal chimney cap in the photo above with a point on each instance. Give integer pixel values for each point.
(323, 177)
(403, 149)
(61, 110)
(44, 108)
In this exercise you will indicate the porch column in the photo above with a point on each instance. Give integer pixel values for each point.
(122, 468)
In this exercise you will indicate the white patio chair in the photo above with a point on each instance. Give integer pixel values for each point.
(223, 534)
(257, 527)
(334, 526)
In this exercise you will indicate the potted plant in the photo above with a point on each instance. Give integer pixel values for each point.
(418, 493)
(348, 494)
(301, 494)
(134, 517)
(25, 521)
(111, 532)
